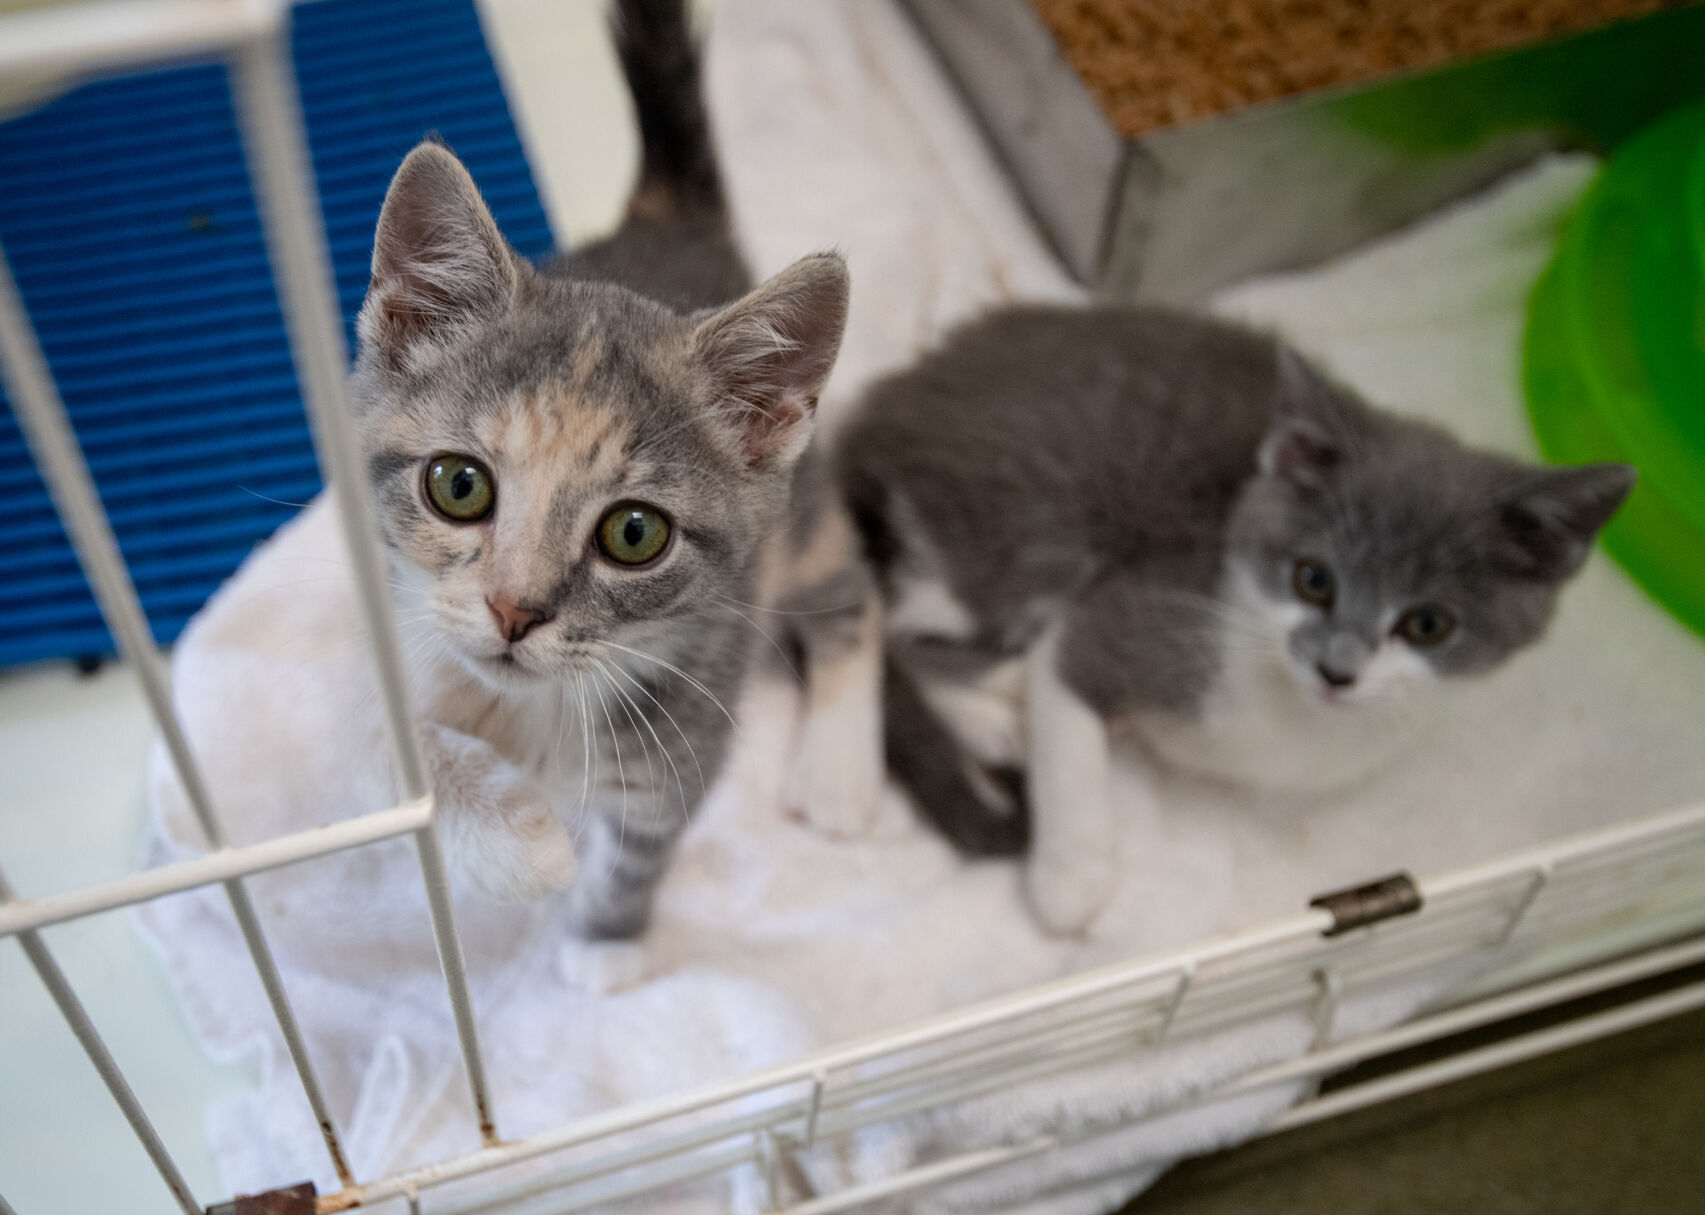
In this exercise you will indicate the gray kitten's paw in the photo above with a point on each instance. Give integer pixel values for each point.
(1067, 898)
(602, 968)
(516, 852)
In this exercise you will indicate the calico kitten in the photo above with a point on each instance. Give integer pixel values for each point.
(1131, 517)
(578, 467)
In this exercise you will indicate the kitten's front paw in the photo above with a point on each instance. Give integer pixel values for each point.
(1068, 897)
(519, 853)
(835, 786)
(602, 968)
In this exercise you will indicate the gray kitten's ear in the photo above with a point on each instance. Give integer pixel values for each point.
(439, 262)
(770, 352)
(1307, 438)
(1550, 524)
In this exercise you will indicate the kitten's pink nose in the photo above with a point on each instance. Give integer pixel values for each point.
(513, 620)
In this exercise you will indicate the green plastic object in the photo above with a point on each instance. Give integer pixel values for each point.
(1614, 355)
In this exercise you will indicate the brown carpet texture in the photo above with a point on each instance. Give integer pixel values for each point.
(1151, 63)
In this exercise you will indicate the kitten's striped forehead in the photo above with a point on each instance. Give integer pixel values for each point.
(557, 429)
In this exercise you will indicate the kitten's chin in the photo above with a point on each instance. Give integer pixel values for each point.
(1315, 692)
(500, 671)
(503, 669)
(1358, 698)
(1341, 700)
(509, 669)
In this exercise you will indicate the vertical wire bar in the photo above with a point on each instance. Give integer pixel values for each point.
(263, 86)
(818, 1079)
(1541, 875)
(41, 415)
(1186, 973)
(1326, 1006)
(77, 1019)
(285, 1015)
(766, 1164)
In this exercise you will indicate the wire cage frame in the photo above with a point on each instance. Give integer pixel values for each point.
(1608, 908)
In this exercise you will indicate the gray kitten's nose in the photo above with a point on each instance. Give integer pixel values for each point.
(1335, 678)
(1341, 658)
(513, 620)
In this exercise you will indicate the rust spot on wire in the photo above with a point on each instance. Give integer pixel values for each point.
(356, 1195)
(292, 1200)
(488, 1128)
(1370, 903)
(344, 1176)
(345, 1199)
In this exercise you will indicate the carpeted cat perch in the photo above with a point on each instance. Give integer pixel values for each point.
(771, 940)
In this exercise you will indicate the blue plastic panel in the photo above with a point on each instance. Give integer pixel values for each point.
(127, 215)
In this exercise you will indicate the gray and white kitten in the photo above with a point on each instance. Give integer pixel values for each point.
(1139, 518)
(578, 468)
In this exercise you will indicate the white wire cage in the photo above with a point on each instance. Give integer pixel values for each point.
(1584, 915)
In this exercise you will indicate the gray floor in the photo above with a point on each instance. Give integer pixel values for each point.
(1613, 1128)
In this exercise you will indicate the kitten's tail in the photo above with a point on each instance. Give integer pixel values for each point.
(981, 811)
(678, 171)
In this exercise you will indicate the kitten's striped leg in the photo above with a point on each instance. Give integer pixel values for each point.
(611, 906)
(622, 865)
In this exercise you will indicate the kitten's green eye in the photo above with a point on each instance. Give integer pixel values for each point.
(460, 488)
(633, 533)
(1426, 625)
(1314, 583)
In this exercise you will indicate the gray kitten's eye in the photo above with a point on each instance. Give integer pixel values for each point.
(1314, 583)
(1425, 625)
(633, 533)
(460, 488)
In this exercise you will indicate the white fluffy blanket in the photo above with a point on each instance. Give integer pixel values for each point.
(770, 941)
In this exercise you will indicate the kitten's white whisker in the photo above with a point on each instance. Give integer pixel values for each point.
(617, 667)
(585, 746)
(669, 666)
(764, 633)
(615, 741)
(651, 441)
(627, 698)
(579, 828)
(275, 501)
(561, 723)
(623, 701)
(826, 611)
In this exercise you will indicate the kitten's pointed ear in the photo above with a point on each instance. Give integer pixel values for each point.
(439, 262)
(770, 353)
(1549, 525)
(1307, 438)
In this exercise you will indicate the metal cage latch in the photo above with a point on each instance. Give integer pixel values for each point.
(1359, 906)
(296, 1199)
